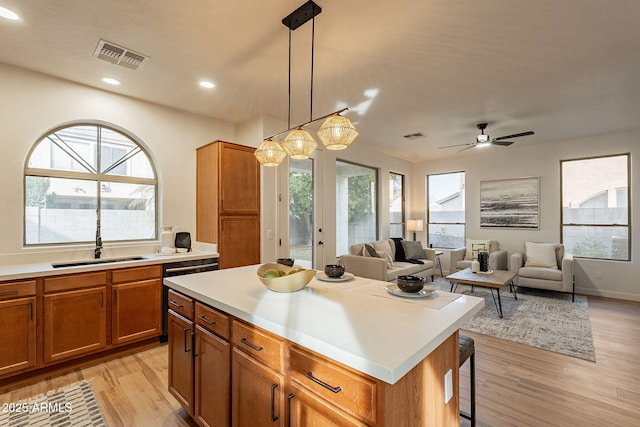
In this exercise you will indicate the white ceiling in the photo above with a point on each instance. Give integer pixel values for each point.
(563, 69)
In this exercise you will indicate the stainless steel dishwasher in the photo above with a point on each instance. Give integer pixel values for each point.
(178, 269)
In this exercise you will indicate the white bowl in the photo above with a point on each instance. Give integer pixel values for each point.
(290, 283)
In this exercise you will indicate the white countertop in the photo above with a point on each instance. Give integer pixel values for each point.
(26, 271)
(352, 322)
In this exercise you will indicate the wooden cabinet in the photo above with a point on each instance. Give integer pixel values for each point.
(136, 309)
(74, 320)
(228, 202)
(306, 410)
(199, 360)
(18, 331)
(181, 360)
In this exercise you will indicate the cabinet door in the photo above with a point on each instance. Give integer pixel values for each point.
(18, 334)
(212, 379)
(306, 410)
(257, 393)
(136, 311)
(239, 180)
(181, 360)
(75, 323)
(239, 242)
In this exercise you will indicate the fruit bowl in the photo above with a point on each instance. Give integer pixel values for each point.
(287, 280)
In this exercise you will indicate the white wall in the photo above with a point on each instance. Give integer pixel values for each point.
(617, 279)
(31, 104)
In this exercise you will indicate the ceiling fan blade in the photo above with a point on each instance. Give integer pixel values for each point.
(457, 145)
(503, 143)
(471, 146)
(515, 135)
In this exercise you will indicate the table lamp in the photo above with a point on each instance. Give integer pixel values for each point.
(414, 225)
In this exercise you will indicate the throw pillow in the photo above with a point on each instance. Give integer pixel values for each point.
(384, 246)
(540, 255)
(413, 250)
(473, 246)
(387, 257)
(369, 251)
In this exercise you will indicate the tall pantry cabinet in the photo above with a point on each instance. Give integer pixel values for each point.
(228, 202)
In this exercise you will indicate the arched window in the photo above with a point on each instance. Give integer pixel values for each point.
(84, 175)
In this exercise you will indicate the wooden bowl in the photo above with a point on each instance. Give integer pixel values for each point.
(289, 283)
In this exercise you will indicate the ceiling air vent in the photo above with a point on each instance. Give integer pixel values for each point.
(119, 55)
(416, 135)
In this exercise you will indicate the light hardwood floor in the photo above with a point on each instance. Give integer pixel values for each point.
(516, 385)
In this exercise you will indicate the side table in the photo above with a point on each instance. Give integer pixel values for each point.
(438, 262)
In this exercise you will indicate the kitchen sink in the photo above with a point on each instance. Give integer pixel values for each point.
(96, 261)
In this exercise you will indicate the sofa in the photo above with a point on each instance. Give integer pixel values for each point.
(544, 266)
(387, 265)
(461, 258)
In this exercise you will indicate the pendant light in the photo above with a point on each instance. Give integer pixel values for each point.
(336, 133)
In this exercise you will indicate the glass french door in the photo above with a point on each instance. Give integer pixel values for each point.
(303, 221)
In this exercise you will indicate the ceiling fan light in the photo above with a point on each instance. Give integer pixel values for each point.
(337, 132)
(483, 144)
(482, 138)
(270, 153)
(299, 144)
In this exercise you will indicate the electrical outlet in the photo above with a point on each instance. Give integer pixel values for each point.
(448, 386)
(598, 275)
(269, 234)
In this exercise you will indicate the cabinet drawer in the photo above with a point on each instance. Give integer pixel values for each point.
(17, 289)
(260, 344)
(181, 304)
(212, 320)
(136, 274)
(75, 281)
(353, 393)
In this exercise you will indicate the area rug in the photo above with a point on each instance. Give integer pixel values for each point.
(72, 406)
(543, 319)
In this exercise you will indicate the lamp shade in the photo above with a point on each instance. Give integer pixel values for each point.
(299, 144)
(415, 225)
(270, 153)
(337, 133)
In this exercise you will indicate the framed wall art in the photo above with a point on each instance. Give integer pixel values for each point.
(510, 203)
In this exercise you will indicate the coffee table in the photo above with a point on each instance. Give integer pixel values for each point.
(496, 280)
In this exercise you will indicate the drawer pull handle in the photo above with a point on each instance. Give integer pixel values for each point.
(175, 304)
(322, 383)
(289, 398)
(208, 322)
(10, 292)
(274, 417)
(247, 343)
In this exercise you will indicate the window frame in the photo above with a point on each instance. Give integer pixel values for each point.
(98, 178)
(428, 197)
(403, 208)
(628, 194)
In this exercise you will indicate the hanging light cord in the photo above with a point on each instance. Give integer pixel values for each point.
(289, 113)
(313, 43)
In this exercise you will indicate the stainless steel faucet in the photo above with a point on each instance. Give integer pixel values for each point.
(98, 250)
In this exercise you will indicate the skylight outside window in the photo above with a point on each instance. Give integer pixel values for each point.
(595, 195)
(76, 169)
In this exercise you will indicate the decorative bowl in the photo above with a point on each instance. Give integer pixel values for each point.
(334, 270)
(411, 284)
(288, 283)
(286, 261)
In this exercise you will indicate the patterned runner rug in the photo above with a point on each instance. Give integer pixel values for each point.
(543, 319)
(72, 406)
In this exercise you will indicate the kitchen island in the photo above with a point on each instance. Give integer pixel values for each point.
(398, 350)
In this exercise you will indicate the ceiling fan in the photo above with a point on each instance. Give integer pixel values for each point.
(483, 140)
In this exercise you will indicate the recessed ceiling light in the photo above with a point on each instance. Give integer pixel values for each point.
(8, 14)
(207, 85)
(111, 81)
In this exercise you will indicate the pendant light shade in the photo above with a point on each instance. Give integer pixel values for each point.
(270, 153)
(337, 133)
(299, 144)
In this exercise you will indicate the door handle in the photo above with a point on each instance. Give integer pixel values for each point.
(320, 242)
(274, 417)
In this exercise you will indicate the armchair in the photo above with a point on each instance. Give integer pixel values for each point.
(460, 260)
(558, 277)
